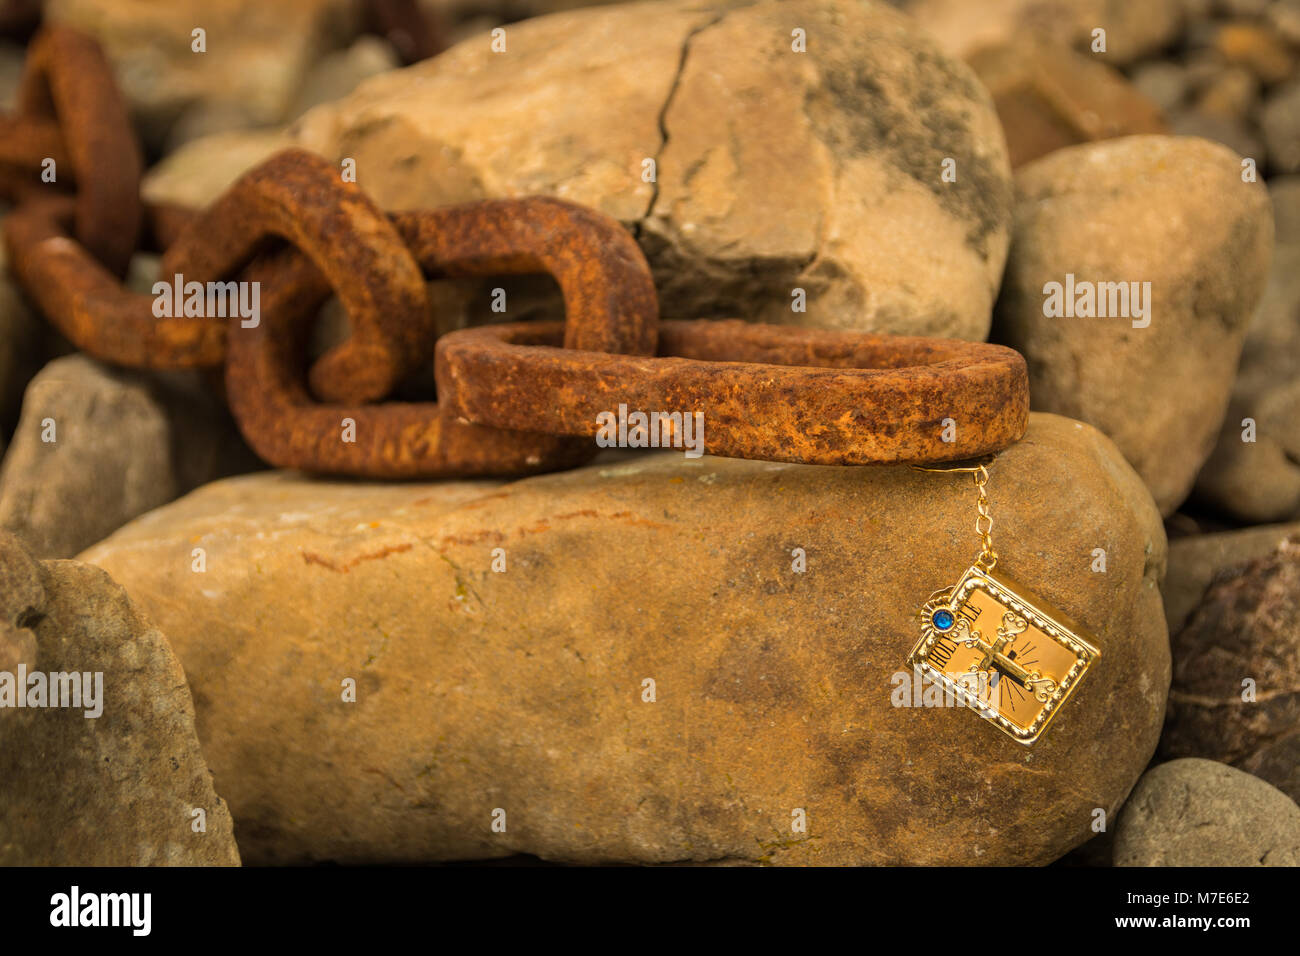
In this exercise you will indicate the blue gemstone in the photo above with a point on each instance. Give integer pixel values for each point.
(943, 620)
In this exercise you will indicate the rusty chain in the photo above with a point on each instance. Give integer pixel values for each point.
(513, 398)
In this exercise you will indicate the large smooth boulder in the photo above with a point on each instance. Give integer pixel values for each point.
(523, 690)
(119, 781)
(1170, 222)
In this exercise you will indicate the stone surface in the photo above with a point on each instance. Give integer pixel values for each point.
(1236, 687)
(1163, 82)
(1256, 48)
(1280, 121)
(1133, 30)
(1231, 93)
(1202, 813)
(1236, 134)
(1259, 481)
(257, 55)
(337, 74)
(200, 171)
(123, 442)
(522, 690)
(118, 789)
(1196, 560)
(1168, 211)
(1284, 17)
(1048, 97)
(775, 170)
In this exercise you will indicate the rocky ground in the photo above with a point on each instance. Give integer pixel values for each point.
(348, 668)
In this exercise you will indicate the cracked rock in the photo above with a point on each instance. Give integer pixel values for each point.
(774, 170)
(1201, 813)
(117, 789)
(522, 689)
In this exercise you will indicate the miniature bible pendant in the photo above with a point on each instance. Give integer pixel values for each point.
(1005, 655)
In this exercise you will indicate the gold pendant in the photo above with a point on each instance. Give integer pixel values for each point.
(1019, 678)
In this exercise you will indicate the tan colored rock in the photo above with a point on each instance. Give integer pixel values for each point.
(97, 446)
(1133, 30)
(117, 789)
(1049, 97)
(1257, 48)
(775, 170)
(1202, 813)
(522, 690)
(201, 170)
(1144, 209)
(1231, 93)
(256, 58)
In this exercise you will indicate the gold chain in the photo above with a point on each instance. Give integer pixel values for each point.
(988, 557)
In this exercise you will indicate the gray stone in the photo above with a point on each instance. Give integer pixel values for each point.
(1280, 121)
(123, 443)
(1163, 82)
(1201, 813)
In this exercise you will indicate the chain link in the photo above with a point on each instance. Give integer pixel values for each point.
(988, 558)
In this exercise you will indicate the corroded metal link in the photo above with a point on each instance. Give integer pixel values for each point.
(67, 79)
(340, 235)
(767, 392)
(298, 196)
(610, 302)
(609, 295)
(265, 387)
(85, 302)
(27, 141)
